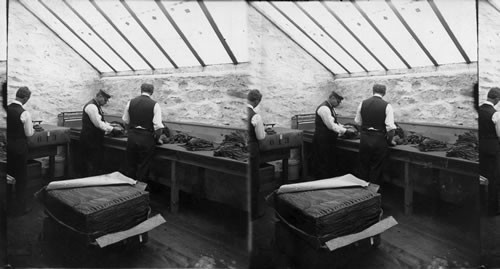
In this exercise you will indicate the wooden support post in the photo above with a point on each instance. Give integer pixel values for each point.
(174, 189)
(408, 190)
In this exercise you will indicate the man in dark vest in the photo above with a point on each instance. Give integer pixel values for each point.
(143, 116)
(93, 130)
(20, 127)
(327, 129)
(256, 132)
(489, 147)
(376, 118)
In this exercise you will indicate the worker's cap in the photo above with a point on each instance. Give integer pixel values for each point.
(494, 93)
(104, 94)
(336, 95)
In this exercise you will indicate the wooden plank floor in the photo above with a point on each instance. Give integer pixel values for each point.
(202, 235)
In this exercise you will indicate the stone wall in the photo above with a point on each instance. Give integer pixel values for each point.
(209, 96)
(292, 82)
(443, 97)
(58, 78)
(489, 49)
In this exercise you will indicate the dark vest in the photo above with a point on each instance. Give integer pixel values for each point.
(486, 126)
(488, 139)
(252, 137)
(15, 128)
(141, 112)
(320, 127)
(90, 133)
(373, 113)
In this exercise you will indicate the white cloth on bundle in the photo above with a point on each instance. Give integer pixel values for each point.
(115, 178)
(347, 180)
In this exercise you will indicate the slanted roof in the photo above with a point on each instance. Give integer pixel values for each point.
(353, 37)
(116, 36)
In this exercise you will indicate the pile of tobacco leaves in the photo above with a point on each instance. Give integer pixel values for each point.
(466, 147)
(233, 146)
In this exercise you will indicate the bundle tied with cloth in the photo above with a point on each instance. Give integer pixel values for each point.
(331, 213)
(100, 210)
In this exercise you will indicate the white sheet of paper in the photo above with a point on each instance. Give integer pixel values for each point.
(373, 230)
(115, 178)
(347, 180)
(142, 227)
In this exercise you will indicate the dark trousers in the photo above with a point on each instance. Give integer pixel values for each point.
(254, 176)
(373, 150)
(92, 157)
(140, 151)
(17, 166)
(489, 167)
(325, 159)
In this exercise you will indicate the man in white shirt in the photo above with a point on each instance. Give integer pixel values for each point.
(94, 127)
(376, 118)
(327, 129)
(20, 127)
(143, 116)
(489, 147)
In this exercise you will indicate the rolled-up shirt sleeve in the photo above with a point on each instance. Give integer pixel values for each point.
(496, 120)
(126, 116)
(157, 121)
(96, 118)
(259, 127)
(326, 115)
(358, 120)
(389, 118)
(27, 123)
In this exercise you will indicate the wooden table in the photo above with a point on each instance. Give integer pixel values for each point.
(436, 160)
(177, 154)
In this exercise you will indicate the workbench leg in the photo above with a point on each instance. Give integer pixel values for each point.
(436, 190)
(408, 190)
(284, 174)
(199, 187)
(52, 165)
(303, 161)
(66, 160)
(174, 189)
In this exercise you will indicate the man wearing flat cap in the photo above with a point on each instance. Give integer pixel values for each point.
(93, 130)
(143, 117)
(327, 129)
(376, 118)
(489, 147)
(20, 127)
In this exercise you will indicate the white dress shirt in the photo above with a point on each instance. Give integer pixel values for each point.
(389, 116)
(96, 119)
(157, 121)
(26, 120)
(495, 118)
(258, 124)
(326, 115)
